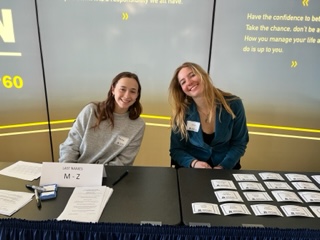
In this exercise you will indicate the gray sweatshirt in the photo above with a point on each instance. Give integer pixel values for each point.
(104, 145)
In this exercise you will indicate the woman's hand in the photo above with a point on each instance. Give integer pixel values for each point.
(218, 167)
(200, 164)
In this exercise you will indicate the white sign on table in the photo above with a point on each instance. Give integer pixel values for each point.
(72, 174)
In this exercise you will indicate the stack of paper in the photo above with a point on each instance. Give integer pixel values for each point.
(23, 170)
(86, 204)
(12, 201)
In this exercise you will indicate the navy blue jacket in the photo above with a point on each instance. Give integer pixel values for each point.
(229, 143)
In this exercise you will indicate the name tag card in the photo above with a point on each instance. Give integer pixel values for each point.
(193, 126)
(71, 174)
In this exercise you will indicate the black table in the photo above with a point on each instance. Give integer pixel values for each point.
(146, 195)
(195, 186)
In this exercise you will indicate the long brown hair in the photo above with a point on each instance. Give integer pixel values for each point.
(106, 108)
(180, 101)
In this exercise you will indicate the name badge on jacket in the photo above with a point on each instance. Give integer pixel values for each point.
(193, 126)
(121, 141)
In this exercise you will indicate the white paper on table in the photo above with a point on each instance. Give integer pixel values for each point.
(271, 176)
(296, 211)
(228, 196)
(278, 185)
(316, 210)
(23, 170)
(310, 197)
(234, 208)
(244, 177)
(286, 196)
(258, 196)
(297, 177)
(305, 186)
(316, 177)
(202, 207)
(12, 201)
(266, 209)
(86, 204)
(251, 186)
(222, 184)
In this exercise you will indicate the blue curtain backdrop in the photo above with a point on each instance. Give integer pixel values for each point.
(65, 230)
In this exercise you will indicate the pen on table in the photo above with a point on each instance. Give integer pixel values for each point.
(36, 193)
(41, 189)
(121, 177)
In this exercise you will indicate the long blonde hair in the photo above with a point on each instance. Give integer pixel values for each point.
(180, 102)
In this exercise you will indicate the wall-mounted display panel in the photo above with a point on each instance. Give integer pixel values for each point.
(267, 52)
(23, 117)
(86, 43)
